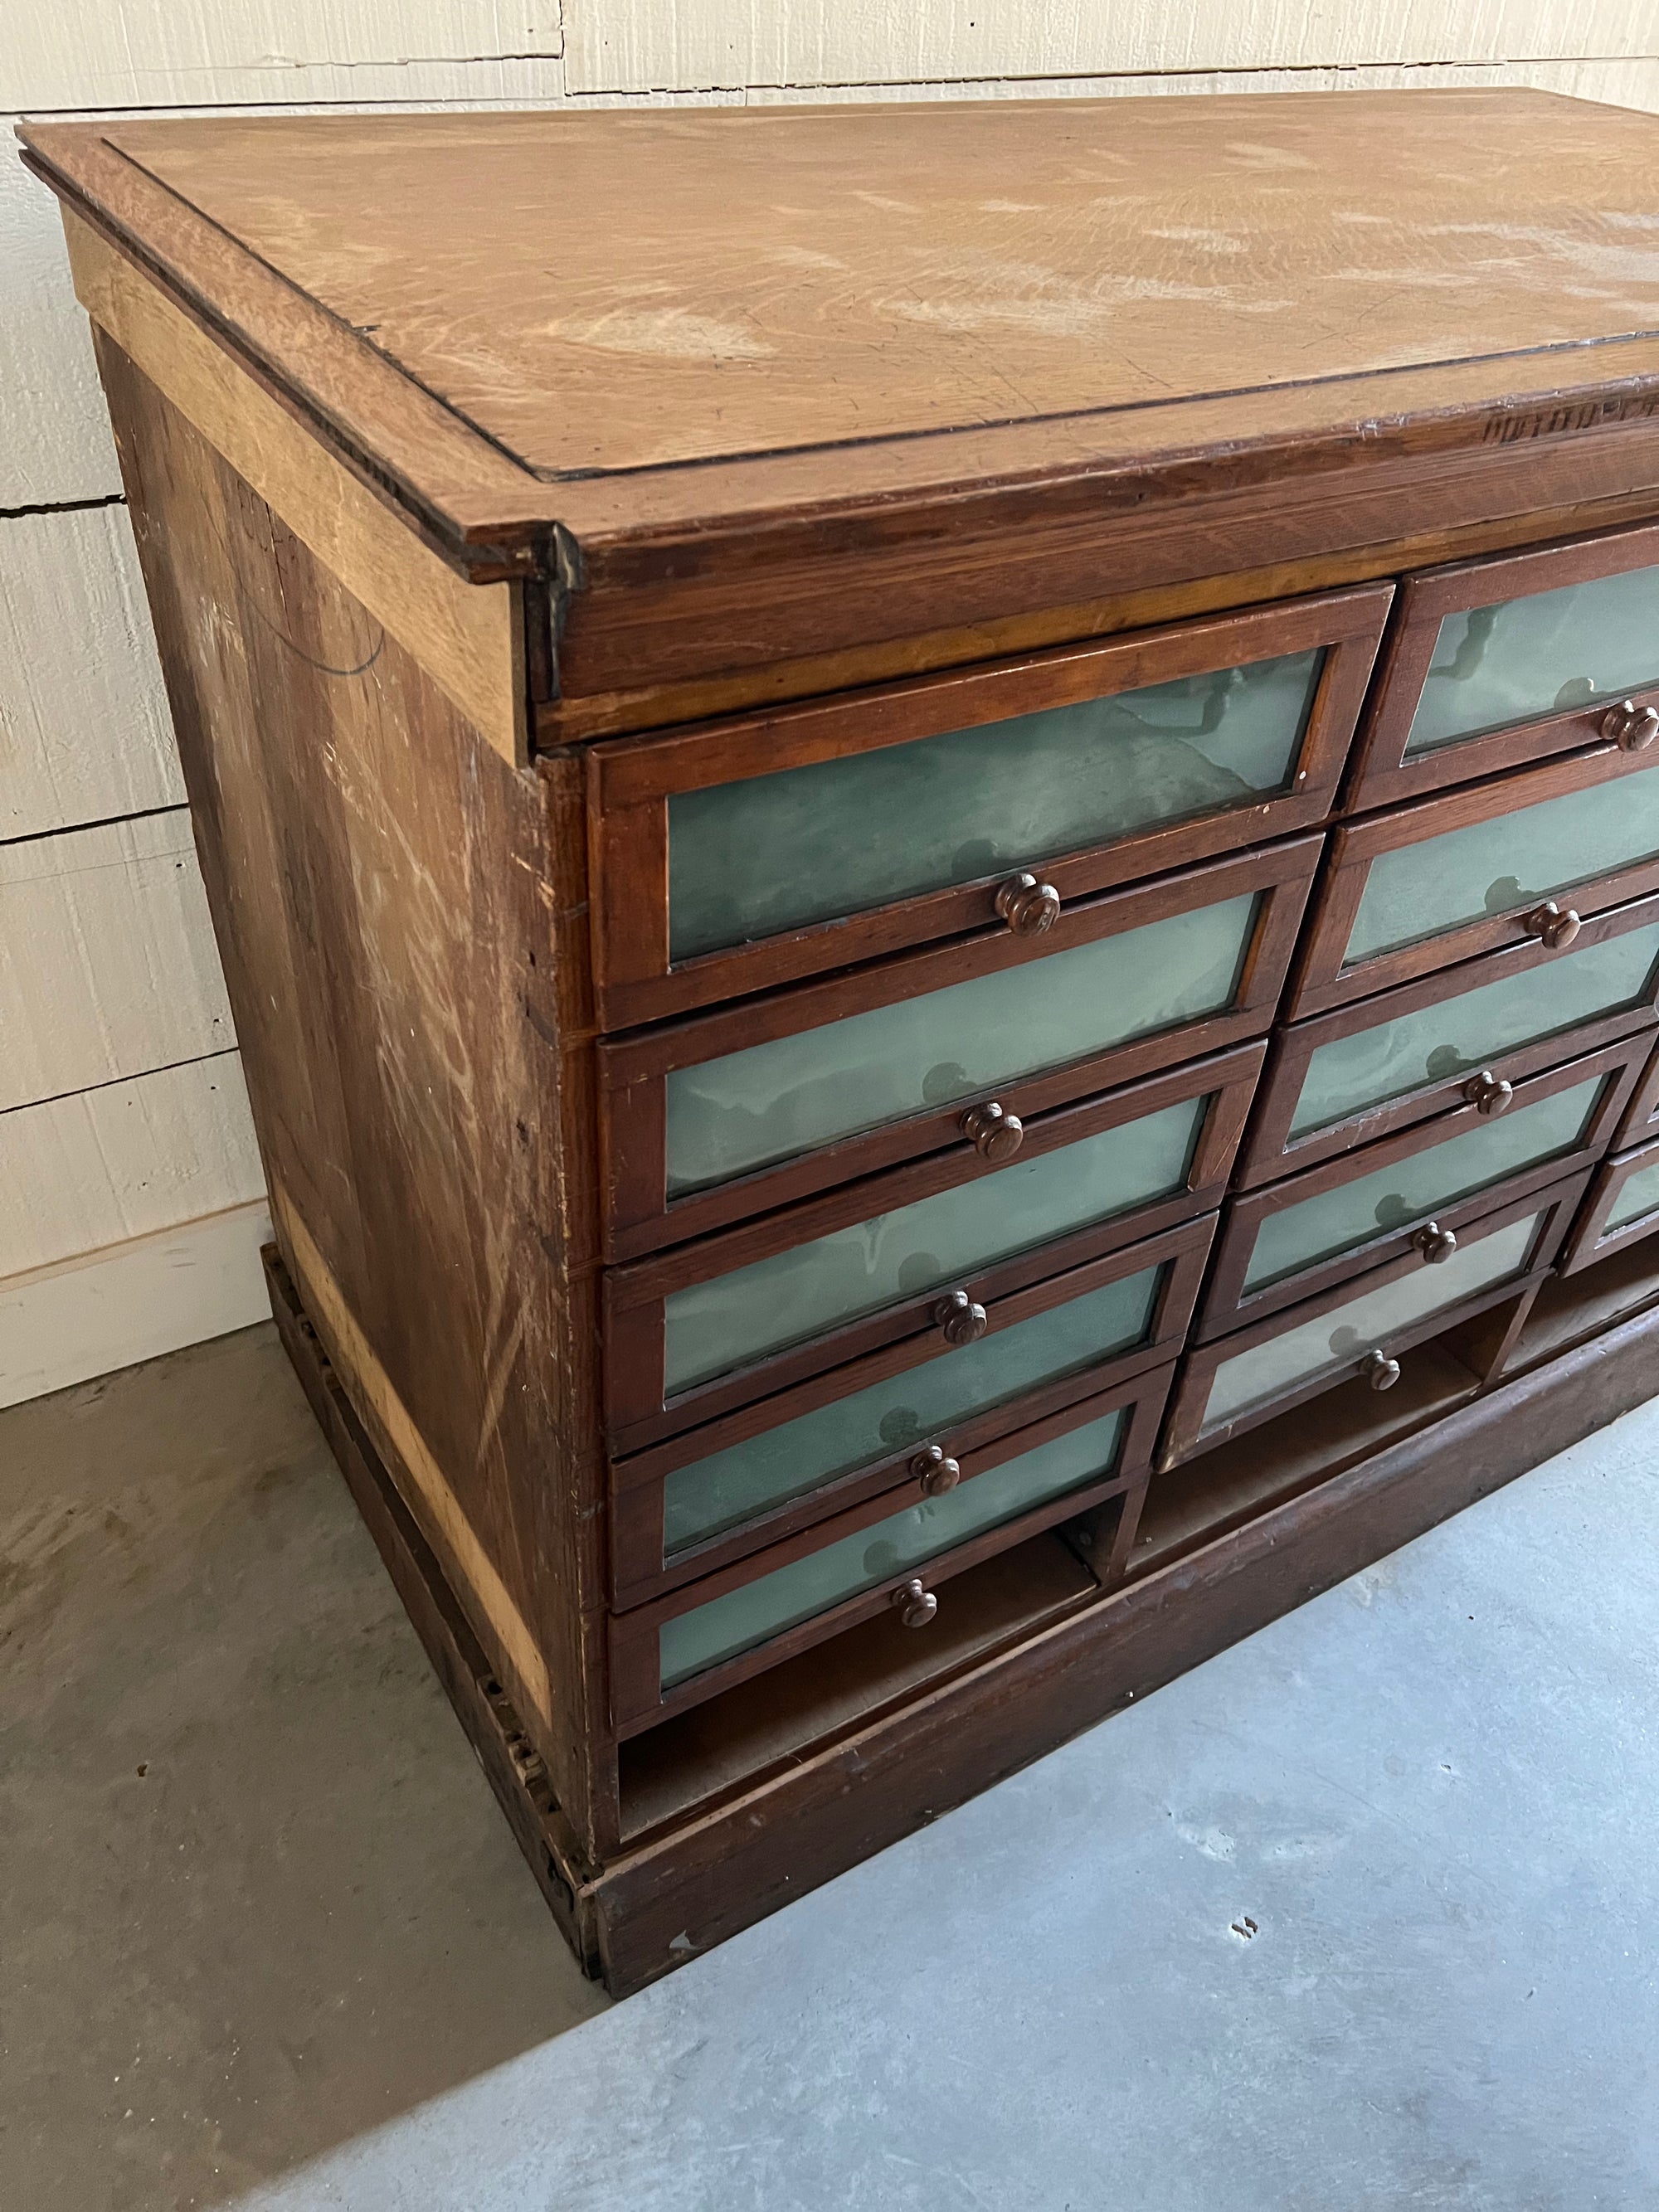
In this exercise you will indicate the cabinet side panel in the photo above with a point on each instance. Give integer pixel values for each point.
(379, 878)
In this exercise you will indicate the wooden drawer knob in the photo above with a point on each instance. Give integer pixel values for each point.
(935, 1471)
(915, 1606)
(1557, 926)
(1028, 907)
(1632, 729)
(1435, 1243)
(1379, 1370)
(961, 1320)
(997, 1134)
(1487, 1093)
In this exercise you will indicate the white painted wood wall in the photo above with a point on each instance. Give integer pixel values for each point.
(130, 1199)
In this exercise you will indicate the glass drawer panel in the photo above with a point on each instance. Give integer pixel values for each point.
(1345, 1333)
(731, 1486)
(712, 1326)
(1545, 654)
(749, 860)
(1417, 892)
(748, 1616)
(1335, 1221)
(773, 1101)
(1354, 1072)
(1639, 1195)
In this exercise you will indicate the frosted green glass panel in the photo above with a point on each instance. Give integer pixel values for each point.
(1542, 655)
(1639, 1195)
(748, 860)
(712, 1326)
(1337, 1220)
(1386, 1061)
(1491, 867)
(1345, 1333)
(731, 1116)
(734, 1485)
(743, 1617)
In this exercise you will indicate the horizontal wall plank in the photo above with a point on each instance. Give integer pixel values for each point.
(128, 1160)
(84, 730)
(86, 53)
(112, 1309)
(57, 443)
(107, 964)
(639, 46)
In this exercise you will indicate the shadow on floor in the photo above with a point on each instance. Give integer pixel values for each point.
(255, 1894)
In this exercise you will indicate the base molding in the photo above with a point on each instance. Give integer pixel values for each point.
(720, 1870)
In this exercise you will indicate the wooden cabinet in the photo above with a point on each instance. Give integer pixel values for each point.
(933, 955)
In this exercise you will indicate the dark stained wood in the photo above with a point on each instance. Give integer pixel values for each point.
(1591, 1238)
(640, 1570)
(1567, 1311)
(1381, 776)
(1184, 1437)
(1322, 981)
(1270, 1151)
(632, 1070)
(637, 1699)
(632, 780)
(1642, 1114)
(1228, 1305)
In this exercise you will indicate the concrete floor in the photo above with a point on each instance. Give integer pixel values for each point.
(1364, 1913)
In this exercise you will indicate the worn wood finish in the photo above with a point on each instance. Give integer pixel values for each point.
(1228, 1304)
(1381, 776)
(1591, 1239)
(1642, 1114)
(639, 1566)
(1323, 980)
(633, 1070)
(1269, 1150)
(380, 942)
(631, 783)
(1556, 1206)
(637, 1699)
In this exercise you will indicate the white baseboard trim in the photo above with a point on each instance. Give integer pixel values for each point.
(110, 1309)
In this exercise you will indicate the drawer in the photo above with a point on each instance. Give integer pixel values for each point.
(1525, 858)
(1467, 1035)
(1415, 1192)
(925, 1255)
(1621, 1208)
(1489, 664)
(737, 1112)
(1641, 1119)
(876, 1557)
(893, 1419)
(1355, 1333)
(747, 853)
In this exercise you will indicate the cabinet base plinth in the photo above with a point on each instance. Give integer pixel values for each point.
(725, 1866)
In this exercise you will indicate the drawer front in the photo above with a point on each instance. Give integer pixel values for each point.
(1414, 1192)
(1641, 1119)
(1621, 1208)
(739, 856)
(719, 1629)
(739, 1112)
(1355, 1332)
(1526, 857)
(1493, 663)
(695, 1332)
(888, 1422)
(1362, 1070)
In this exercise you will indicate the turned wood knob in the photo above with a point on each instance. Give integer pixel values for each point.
(935, 1471)
(1487, 1093)
(1557, 926)
(1435, 1243)
(1631, 728)
(915, 1606)
(1028, 907)
(961, 1320)
(997, 1134)
(1379, 1370)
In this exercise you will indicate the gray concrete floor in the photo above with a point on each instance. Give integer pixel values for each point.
(1364, 1913)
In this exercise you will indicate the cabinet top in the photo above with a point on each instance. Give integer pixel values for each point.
(637, 321)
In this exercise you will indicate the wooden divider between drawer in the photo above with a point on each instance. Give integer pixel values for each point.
(1621, 1208)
